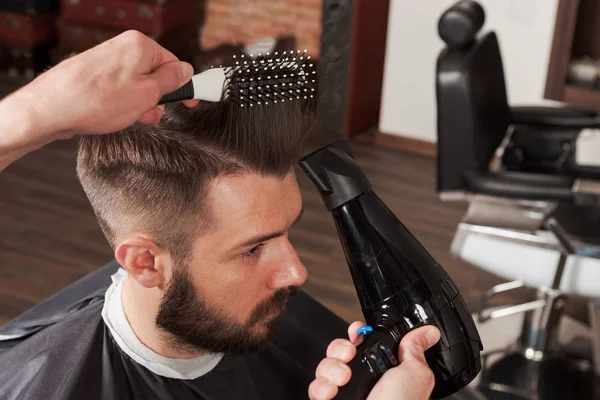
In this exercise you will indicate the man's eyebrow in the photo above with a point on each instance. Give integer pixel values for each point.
(263, 238)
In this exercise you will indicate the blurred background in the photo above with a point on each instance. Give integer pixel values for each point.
(382, 75)
(376, 64)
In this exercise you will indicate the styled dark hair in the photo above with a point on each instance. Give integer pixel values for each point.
(154, 179)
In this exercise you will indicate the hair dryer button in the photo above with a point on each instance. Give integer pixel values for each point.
(387, 355)
(377, 363)
(365, 330)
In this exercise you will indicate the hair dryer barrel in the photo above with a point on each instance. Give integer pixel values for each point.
(399, 284)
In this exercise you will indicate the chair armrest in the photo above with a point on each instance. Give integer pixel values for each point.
(519, 185)
(555, 117)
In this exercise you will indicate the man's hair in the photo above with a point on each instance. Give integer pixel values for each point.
(154, 179)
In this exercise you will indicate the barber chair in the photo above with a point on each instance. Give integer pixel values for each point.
(533, 217)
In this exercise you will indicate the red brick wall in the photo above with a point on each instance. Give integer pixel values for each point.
(249, 21)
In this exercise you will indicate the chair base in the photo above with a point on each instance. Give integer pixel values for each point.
(567, 376)
(511, 372)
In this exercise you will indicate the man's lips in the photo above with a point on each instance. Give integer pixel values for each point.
(273, 309)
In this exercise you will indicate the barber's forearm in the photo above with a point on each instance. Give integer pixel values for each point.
(99, 91)
(21, 128)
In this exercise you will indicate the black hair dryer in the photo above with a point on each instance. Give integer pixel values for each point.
(399, 284)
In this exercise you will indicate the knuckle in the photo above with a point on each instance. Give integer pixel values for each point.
(134, 42)
(321, 389)
(341, 349)
(334, 371)
(324, 367)
(133, 36)
(335, 345)
(319, 370)
(312, 390)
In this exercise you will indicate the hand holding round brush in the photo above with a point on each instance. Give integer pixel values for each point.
(127, 79)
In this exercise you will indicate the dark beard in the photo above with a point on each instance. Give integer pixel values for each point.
(195, 326)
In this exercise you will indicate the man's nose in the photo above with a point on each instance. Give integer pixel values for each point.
(290, 271)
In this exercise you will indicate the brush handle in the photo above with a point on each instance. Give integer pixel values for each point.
(186, 92)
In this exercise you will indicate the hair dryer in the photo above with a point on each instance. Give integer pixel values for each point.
(399, 284)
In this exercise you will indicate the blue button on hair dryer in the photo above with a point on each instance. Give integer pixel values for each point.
(399, 284)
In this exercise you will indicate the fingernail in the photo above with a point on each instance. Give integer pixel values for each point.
(432, 335)
(187, 70)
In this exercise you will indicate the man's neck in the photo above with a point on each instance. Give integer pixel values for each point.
(141, 306)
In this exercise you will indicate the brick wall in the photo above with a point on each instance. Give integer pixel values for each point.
(249, 21)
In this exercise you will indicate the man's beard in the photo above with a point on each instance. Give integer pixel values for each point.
(194, 325)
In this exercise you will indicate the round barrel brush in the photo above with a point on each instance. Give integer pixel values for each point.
(252, 81)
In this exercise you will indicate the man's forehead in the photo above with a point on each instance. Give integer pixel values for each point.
(249, 207)
(250, 195)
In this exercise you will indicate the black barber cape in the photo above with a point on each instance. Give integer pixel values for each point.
(62, 350)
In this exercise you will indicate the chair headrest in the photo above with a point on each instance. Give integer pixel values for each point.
(459, 24)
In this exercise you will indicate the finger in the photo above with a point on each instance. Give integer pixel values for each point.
(147, 118)
(341, 349)
(160, 110)
(172, 75)
(334, 370)
(322, 389)
(149, 55)
(161, 56)
(414, 344)
(153, 116)
(190, 103)
(352, 332)
(413, 379)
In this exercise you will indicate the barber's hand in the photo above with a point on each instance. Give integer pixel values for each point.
(106, 88)
(411, 380)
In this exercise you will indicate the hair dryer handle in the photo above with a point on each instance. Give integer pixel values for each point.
(374, 356)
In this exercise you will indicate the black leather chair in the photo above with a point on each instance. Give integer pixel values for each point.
(533, 217)
(474, 118)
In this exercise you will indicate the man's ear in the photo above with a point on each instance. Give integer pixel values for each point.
(143, 260)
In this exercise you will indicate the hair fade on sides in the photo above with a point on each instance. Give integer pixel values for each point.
(153, 179)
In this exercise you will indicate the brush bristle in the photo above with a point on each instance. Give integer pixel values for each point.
(265, 79)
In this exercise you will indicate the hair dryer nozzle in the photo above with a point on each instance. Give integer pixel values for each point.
(335, 173)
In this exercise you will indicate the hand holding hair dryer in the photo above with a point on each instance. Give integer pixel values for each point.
(399, 284)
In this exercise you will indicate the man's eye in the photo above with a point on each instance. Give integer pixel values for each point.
(252, 252)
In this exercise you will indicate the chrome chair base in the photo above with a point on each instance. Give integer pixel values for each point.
(530, 351)
(565, 376)
(512, 370)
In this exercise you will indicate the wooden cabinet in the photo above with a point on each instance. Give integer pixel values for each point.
(574, 69)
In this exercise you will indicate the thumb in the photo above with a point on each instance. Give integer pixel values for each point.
(413, 377)
(415, 343)
(171, 76)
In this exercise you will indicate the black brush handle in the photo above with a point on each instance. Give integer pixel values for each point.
(186, 92)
